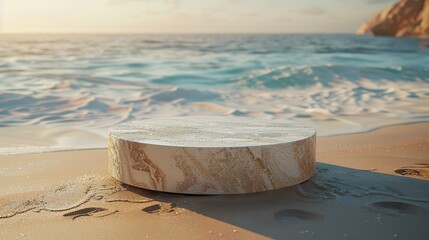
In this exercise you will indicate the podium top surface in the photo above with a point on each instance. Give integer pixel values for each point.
(210, 131)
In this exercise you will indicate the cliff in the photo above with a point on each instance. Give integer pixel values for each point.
(407, 18)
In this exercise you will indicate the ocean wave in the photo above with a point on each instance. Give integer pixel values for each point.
(330, 75)
(345, 102)
(337, 83)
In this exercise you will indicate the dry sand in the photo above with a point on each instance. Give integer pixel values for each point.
(370, 185)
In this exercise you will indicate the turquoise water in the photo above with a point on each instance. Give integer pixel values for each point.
(339, 83)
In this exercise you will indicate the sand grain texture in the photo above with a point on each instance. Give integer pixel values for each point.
(357, 193)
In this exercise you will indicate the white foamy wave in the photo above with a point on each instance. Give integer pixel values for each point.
(338, 83)
(329, 75)
(352, 104)
(342, 108)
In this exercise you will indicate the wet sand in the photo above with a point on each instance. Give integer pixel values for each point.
(369, 185)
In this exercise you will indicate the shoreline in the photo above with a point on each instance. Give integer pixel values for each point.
(381, 178)
(101, 139)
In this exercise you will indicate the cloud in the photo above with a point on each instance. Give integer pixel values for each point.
(282, 18)
(175, 4)
(379, 1)
(118, 2)
(249, 15)
(312, 11)
(212, 10)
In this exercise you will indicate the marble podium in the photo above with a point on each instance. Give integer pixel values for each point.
(211, 155)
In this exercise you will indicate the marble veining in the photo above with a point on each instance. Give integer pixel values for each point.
(211, 155)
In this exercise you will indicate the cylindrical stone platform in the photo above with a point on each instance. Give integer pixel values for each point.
(211, 155)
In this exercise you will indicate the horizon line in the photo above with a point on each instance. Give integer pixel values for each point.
(171, 33)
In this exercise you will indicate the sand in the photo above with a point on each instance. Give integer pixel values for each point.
(369, 185)
(39, 138)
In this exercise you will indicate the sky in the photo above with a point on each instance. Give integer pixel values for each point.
(186, 16)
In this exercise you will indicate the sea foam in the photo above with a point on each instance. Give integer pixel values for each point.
(338, 83)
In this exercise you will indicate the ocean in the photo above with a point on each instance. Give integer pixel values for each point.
(338, 83)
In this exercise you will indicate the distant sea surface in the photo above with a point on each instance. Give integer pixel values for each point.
(337, 83)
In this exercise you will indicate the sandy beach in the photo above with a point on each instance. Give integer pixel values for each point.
(96, 95)
(368, 185)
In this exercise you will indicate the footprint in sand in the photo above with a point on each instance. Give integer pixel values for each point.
(395, 208)
(288, 216)
(152, 208)
(417, 170)
(160, 208)
(84, 212)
